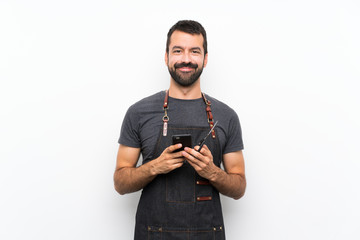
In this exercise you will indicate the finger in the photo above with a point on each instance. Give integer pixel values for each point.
(175, 166)
(194, 165)
(178, 165)
(204, 150)
(193, 162)
(194, 153)
(174, 147)
(177, 160)
(174, 155)
(191, 159)
(205, 147)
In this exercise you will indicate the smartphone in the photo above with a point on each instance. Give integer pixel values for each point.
(184, 139)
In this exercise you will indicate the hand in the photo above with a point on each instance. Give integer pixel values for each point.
(201, 161)
(168, 160)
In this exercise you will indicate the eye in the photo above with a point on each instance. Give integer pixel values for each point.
(196, 51)
(176, 51)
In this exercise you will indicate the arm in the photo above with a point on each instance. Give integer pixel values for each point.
(231, 182)
(129, 178)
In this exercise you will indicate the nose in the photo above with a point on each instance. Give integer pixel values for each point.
(186, 57)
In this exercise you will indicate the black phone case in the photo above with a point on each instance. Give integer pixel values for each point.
(184, 139)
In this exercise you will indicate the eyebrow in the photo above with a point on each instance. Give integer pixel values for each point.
(177, 47)
(194, 48)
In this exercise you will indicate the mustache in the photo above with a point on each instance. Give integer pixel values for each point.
(180, 65)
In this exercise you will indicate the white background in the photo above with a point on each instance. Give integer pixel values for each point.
(70, 69)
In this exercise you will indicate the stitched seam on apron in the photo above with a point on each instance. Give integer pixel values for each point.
(194, 198)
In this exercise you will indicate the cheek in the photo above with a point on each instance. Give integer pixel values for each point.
(174, 59)
(200, 60)
(172, 62)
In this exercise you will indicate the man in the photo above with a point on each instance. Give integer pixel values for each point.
(180, 197)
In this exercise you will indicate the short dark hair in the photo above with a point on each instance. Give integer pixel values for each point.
(187, 26)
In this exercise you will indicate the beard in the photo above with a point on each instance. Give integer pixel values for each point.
(185, 79)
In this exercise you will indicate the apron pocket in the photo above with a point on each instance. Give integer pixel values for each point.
(180, 184)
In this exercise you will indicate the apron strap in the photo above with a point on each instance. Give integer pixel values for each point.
(165, 117)
(209, 114)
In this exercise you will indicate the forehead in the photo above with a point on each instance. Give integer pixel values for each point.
(186, 40)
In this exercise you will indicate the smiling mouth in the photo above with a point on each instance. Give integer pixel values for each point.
(186, 69)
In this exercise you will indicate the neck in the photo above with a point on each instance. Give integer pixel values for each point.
(180, 92)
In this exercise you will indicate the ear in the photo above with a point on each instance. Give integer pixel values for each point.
(166, 58)
(205, 59)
